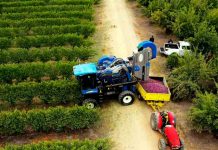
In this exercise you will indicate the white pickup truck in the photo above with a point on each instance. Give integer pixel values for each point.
(179, 48)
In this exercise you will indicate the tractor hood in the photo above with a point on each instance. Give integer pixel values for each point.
(84, 69)
(172, 136)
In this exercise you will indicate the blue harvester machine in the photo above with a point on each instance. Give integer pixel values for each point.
(115, 76)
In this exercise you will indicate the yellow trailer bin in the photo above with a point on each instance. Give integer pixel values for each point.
(155, 100)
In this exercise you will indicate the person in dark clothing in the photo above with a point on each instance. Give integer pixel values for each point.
(164, 115)
(152, 38)
(170, 41)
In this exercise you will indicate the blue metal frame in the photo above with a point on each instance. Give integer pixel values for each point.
(90, 91)
(146, 44)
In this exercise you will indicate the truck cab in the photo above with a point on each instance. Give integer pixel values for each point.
(179, 48)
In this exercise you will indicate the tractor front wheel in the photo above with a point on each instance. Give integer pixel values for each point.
(154, 121)
(162, 144)
(126, 98)
(89, 103)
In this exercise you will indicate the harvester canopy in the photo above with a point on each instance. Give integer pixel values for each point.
(84, 69)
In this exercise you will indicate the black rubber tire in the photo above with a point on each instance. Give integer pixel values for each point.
(174, 120)
(162, 144)
(182, 144)
(90, 103)
(154, 121)
(140, 98)
(126, 98)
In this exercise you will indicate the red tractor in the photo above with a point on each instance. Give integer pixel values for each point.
(165, 123)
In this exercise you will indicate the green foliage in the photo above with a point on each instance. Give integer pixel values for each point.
(212, 18)
(187, 19)
(28, 23)
(48, 2)
(193, 74)
(5, 43)
(44, 120)
(35, 71)
(213, 63)
(24, 3)
(45, 54)
(46, 23)
(204, 115)
(85, 30)
(12, 122)
(56, 8)
(82, 14)
(158, 17)
(99, 144)
(51, 40)
(144, 2)
(173, 61)
(205, 39)
(50, 92)
(185, 23)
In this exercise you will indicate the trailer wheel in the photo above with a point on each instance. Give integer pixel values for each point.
(89, 103)
(162, 144)
(126, 98)
(154, 121)
(182, 144)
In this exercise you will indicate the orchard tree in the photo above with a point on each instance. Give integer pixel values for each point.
(205, 39)
(185, 23)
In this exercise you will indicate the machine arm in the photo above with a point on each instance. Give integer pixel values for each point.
(141, 59)
(148, 44)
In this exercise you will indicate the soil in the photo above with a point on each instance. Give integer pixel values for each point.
(38, 137)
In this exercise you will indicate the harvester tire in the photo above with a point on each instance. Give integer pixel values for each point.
(182, 143)
(126, 98)
(154, 121)
(90, 103)
(162, 144)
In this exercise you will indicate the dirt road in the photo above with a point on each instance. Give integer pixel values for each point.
(121, 33)
(128, 127)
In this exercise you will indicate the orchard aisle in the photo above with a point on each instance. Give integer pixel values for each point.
(120, 28)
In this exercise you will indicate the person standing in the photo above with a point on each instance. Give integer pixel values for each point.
(170, 41)
(152, 38)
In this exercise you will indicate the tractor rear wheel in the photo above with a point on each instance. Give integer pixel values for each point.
(126, 98)
(154, 121)
(174, 118)
(162, 144)
(90, 103)
(182, 144)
